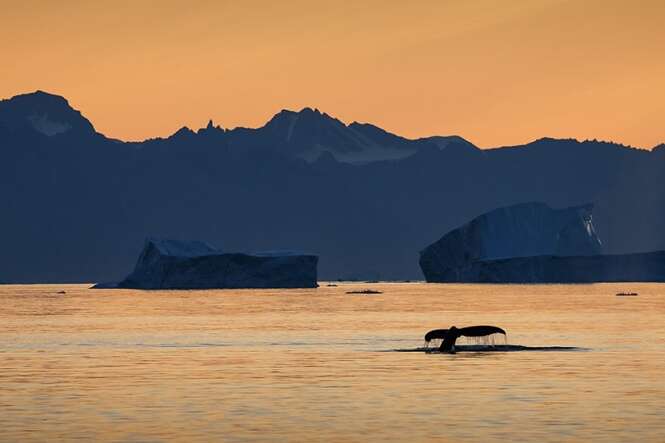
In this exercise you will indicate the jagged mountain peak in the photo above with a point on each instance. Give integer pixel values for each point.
(308, 110)
(309, 133)
(210, 128)
(307, 129)
(305, 115)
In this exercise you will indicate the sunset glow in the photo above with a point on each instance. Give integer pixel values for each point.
(494, 72)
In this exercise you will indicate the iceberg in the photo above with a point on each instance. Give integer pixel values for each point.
(533, 243)
(172, 264)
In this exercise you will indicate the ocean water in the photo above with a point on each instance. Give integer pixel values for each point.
(319, 365)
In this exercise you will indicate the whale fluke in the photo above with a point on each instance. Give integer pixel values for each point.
(469, 331)
(451, 335)
(435, 334)
(480, 331)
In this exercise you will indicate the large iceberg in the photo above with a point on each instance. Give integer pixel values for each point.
(172, 264)
(523, 230)
(533, 243)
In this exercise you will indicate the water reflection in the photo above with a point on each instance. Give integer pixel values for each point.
(303, 365)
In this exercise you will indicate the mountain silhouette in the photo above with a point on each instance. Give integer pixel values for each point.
(309, 133)
(42, 112)
(78, 205)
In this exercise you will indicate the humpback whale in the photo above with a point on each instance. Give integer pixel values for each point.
(451, 335)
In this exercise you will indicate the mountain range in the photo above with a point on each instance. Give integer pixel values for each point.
(77, 205)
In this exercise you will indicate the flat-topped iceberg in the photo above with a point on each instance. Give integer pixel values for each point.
(172, 264)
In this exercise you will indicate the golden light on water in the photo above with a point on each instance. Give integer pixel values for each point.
(303, 365)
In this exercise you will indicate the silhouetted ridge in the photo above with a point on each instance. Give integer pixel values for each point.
(77, 206)
(183, 132)
(451, 144)
(305, 135)
(309, 130)
(378, 136)
(45, 113)
(309, 133)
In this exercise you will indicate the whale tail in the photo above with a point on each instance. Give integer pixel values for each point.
(480, 331)
(450, 336)
(469, 331)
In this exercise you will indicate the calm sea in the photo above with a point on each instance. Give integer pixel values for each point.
(317, 365)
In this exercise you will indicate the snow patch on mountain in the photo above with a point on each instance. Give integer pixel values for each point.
(48, 127)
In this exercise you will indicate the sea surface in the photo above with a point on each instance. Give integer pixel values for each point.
(319, 364)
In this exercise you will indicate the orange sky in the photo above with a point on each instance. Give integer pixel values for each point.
(496, 72)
